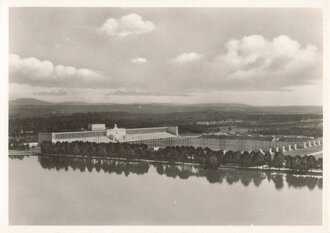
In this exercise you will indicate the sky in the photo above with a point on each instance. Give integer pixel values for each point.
(257, 56)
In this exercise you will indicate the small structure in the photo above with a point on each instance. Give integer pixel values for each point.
(289, 148)
(31, 144)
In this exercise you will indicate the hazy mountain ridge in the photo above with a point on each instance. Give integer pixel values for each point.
(32, 107)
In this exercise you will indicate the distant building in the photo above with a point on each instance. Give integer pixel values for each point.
(229, 121)
(238, 142)
(99, 133)
(246, 142)
(31, 144)
(139, 134)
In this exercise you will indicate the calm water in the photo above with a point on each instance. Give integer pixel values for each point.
(62, 191)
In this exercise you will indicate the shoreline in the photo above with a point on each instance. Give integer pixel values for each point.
(264, 169)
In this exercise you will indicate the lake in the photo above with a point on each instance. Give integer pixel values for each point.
(72, 191)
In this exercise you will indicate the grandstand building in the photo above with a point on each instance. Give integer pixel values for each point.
(99, 133)
(237, 142)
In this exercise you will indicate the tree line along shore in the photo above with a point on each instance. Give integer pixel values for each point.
(204, 157)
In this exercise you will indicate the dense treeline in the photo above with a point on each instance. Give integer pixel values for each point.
(185, 120)
(312, 132)
(202, 156)
(230, 176)
(14, 144)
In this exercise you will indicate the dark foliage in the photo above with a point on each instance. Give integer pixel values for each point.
(187, 154)
(21, 125)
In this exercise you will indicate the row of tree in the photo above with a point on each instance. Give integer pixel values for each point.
(302, 130)
(17, 145)
(187, 154)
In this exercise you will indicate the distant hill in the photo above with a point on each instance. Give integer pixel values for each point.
(35, 107)
(71, 103)
(29, 101)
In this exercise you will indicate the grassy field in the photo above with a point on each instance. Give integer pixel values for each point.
(307, 150)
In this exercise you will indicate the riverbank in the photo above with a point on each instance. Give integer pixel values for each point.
(255, 168)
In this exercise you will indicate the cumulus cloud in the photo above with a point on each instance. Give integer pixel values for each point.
(127, 25)
(139, 60)
(52, 93)
(44, 73)
(186, 57)
(255, 54)
(259, 62)
(249, 63)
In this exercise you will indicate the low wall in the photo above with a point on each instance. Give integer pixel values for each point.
(173, 130)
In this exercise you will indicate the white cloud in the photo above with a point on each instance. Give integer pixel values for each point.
(139, 60)
(249, 63)
(126, 25)
(44, 73)
(186, 57)
(281, 61)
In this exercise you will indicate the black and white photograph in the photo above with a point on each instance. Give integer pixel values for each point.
(188, 115)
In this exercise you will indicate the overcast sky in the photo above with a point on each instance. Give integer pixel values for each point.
(172, 55)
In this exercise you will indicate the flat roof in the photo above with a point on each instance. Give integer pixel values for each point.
(294, 139)
(128, 131)
(77, 131)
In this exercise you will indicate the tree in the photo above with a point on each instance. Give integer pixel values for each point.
(211, 162)
(278, 160)
(311, 162)
(288, 161)
(268, 158)
(320, 163)
(259, 159)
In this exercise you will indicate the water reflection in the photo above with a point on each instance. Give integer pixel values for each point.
(19, 157)
(230, 176)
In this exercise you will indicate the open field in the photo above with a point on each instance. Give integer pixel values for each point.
(308, 150)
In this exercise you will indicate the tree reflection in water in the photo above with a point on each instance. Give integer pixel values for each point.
(230, 176)
(302, 181)
(20, 157)
(278, 180)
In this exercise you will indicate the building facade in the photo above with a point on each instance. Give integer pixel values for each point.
(237, 143)
(99, 133)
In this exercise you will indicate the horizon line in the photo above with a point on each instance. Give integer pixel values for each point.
(166, 103)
